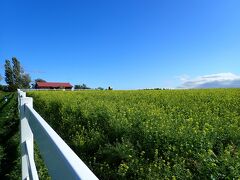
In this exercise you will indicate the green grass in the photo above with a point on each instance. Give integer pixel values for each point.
(182, 134)
(9, 137)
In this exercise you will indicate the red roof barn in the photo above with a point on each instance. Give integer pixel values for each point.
(53, 85)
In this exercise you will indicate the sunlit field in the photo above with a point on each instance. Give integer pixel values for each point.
(185, 134)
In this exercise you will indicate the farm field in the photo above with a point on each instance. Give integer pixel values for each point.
(174, 134)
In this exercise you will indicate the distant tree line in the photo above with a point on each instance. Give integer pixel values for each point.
(81, 86)
(156, 89)
(84, 86)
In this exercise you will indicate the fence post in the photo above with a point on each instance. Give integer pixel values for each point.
(27, 149)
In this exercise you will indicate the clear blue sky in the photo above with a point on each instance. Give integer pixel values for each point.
(127, 44)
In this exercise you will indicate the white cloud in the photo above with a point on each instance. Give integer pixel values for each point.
(221, 80)
(183, 77)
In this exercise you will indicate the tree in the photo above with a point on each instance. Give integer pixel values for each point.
(39, 80)
(1, 86)
(81, 86)
(17, 71)
(15, 76)
(25, 81)
(9, 74)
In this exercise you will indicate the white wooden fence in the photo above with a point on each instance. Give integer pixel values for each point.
(60, 160)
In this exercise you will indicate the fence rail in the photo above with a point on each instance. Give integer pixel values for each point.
(60, 160)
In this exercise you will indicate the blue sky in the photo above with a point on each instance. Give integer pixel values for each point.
(126, 44)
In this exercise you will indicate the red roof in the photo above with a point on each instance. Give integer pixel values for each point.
(53, 85)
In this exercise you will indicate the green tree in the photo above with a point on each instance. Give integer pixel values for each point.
(1, 87)
(25, 81)
(81, 86)
(39, 80)
(17, 71)
(15, 76)
(9, 75)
